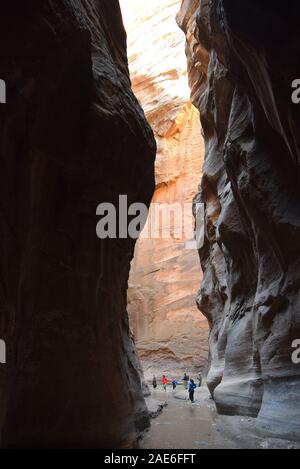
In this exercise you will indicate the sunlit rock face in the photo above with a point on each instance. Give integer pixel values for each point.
(72, 136)
(242, 59)
(170, 333)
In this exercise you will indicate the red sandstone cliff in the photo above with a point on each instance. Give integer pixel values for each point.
(170, 333)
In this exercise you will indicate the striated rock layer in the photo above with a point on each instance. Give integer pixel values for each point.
(242, 59)
(72, 135)
(171, 334)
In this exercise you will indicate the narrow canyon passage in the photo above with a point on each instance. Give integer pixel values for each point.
(191, 106)
(249, 292)
(171, 335)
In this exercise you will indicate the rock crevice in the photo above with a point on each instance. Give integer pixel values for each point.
(171, 334)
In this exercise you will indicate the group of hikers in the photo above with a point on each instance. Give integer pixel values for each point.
(189, 384)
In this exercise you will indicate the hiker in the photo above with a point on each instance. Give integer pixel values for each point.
(192, 387)
(199, 380)
(154, 382)
(185, 380)
(164, 382)
(174, 384)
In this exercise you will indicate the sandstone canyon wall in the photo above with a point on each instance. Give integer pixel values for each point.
(170, 333)
(72, 135)
(242, 59)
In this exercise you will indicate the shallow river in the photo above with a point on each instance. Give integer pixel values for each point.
(183, 425)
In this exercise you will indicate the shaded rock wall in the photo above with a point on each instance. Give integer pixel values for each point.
(242, 59)
(171, 334)
(72, 135)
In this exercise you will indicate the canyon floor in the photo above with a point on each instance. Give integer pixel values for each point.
(183, 425)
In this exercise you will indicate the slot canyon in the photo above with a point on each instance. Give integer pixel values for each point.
(181, 102)
(170, 333)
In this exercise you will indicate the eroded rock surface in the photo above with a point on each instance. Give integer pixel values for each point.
(72, 135)
(242, 59)
(171, 334)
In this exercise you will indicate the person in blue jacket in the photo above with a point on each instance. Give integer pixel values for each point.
(174, 384)
(192, 387)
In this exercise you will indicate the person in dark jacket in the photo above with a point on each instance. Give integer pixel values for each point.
(185, 380)
(192, 387)
(154, 382)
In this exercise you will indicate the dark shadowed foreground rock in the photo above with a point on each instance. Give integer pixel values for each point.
(72, 135)
(243, 57)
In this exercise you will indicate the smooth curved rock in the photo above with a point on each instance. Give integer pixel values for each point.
(72, 135)
(242, 59)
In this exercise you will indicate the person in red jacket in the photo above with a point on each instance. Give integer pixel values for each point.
(164, 382)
